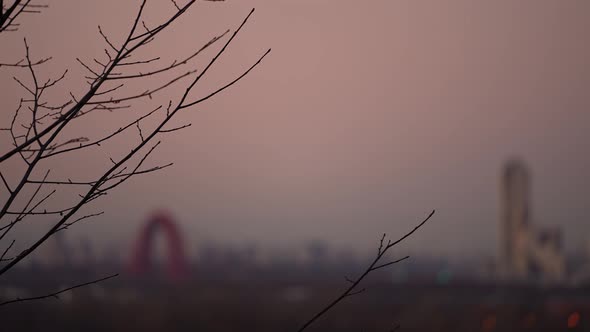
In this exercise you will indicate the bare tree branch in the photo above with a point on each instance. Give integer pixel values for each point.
(9, 14)
(56, 294)
(6, 251)
(116, 174)
(351, 290)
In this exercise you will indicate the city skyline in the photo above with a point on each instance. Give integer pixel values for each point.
(363, 120)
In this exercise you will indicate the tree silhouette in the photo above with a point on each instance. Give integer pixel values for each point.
(38, 129)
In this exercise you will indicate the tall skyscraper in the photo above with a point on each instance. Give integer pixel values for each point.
(527, 252)
(515, 191)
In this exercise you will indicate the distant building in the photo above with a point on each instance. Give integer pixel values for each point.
(83, 255)
(526, 252)
(55, 252)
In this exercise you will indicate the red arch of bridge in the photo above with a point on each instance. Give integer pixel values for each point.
(141, 261)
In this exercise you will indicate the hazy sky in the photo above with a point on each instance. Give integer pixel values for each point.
(365, 116)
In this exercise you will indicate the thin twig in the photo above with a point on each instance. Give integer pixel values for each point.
(372, 267)
(55, 295)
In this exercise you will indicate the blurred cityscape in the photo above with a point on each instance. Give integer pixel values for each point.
(531, 285)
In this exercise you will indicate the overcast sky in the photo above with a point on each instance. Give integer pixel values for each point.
(365, 117)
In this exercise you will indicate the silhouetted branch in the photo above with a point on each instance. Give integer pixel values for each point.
(46, 136)
(123, 52)
(175, 128)
(21, 63)
(148, 93)
(37, 127)
(351, 290)
(6, 251)
(88, 216)
(228, 84)
(55, 295)
(97, 142)
(5, 183)
(9, 13)
(174, 64)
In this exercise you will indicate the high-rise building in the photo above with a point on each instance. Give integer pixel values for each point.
(55, 252)
(526, 252)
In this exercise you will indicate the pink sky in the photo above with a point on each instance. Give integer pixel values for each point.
(365, 116)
